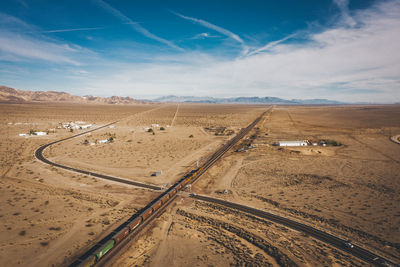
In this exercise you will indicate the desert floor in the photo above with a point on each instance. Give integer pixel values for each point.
(49, 216)
(350, 190)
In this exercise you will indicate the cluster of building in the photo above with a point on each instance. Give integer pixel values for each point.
(104, 141)
(33, 133)
(300, 143)
(78, 125)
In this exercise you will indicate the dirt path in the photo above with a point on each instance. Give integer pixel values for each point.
(294, 124)
(374, 149)
(164, 248)
(227, 180)
(174, 118)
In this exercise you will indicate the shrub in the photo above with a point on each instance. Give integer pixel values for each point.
(191, 136)
(150, 130)
(162, 128)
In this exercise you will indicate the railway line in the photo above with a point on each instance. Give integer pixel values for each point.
(113, 244)
(103, 250)
(335, 241)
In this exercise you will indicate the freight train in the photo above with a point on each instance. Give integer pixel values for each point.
(138, 219)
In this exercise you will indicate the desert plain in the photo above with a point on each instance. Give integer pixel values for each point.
(50, 216)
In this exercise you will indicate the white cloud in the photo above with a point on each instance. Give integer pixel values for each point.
(344, 9)
(20, 41)
(204, 35)
(17, 47)
(345, 63)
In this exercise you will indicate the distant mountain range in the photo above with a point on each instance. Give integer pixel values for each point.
(11, 95)
(245, 100)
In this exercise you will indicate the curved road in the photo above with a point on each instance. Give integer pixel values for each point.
(39, 156)
(357, 251)
(335, 241)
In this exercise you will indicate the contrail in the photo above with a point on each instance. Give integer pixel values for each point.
(74, 30)
(136, 26)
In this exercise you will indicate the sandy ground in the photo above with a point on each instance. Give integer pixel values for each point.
(351, 191)
(48, 215)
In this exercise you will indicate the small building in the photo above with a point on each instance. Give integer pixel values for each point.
(23, 134)
(39, 133)
(156, 173)
(86, 126)
(155, 125)
(103, 141)
(292, 143)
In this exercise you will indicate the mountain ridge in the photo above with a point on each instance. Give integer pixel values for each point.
(245, 100)
(11, 95)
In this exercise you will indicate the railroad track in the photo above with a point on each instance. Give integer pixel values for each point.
(103, 250)
(335, 241)
(39, 155)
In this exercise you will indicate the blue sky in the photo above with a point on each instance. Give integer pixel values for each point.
(338, 49)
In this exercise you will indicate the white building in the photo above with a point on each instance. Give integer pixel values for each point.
(292, 143)
(22, 134)
(86, 126)
(40, 133)
(102, 141)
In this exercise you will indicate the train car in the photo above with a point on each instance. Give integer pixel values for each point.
(172, 193)
(88, 262)
(156, 205)
(135, 223)
(185, 182)
(146, 213)
(104, 249)
(165, 198)
(121, 235)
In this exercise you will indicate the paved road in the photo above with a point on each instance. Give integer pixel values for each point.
(177, 186)
(39, 155)
(335, 241)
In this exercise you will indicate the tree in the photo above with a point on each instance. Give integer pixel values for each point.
(162, 128)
